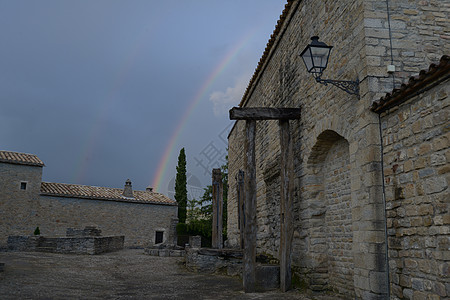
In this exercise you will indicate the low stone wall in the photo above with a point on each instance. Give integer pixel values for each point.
(68, 245)
(208, 261)
(229, 262)
(108, 244)
(23, 243)
(164, 252)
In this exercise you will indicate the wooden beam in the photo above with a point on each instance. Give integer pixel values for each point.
(264, 113)
(217, 203)
(286, 206)
(249, 272)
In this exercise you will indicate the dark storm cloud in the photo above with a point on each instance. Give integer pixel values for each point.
(97, 88)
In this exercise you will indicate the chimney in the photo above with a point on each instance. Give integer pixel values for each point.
(149, 189)
(127, 190)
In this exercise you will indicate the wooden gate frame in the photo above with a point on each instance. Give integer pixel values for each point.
(283, 115)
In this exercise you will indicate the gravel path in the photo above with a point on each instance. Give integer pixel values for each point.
(126, 274)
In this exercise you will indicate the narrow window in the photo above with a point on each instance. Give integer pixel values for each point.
(159, 237)
(23, 185)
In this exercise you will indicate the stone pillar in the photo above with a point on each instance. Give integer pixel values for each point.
(172, 239)
(217, 195)
(195, 241)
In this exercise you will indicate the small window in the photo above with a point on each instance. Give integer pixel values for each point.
(159, 237)
(23, 185)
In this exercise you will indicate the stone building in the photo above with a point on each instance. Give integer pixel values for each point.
(143, 217)
(352, 192)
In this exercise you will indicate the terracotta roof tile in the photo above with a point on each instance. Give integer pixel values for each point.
(415, 85)
(102, 193)
(20, 158)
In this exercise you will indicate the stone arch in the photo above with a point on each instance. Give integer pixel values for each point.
(329, 218)
(324, 142)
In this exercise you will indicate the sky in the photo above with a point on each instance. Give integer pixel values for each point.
(106, 90)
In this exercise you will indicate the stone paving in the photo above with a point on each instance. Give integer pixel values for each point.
(126, 274)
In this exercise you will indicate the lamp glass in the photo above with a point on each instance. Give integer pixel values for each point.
(315, 56)
(307, 59)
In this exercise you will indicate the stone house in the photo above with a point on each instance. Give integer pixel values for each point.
(371, 172)
(145, 218)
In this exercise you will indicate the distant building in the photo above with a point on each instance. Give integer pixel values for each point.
(145, 218)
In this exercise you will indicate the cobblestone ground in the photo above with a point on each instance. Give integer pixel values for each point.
(127, 274)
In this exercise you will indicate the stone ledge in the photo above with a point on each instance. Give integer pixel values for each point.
(69, 245)
(165, 252)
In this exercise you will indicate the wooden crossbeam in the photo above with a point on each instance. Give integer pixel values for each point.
(264, 113)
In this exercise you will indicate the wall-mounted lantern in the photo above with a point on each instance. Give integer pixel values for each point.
(315, 56)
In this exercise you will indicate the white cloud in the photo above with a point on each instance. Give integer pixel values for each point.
(224, 100)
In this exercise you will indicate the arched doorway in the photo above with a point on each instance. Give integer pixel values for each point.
(330, 234)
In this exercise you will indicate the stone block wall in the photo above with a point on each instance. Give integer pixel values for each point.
(333, 127)
(21, 211)
(329, 255)
(67, 245)
(419, 35)
(18, 208)
(108, 244)
(137, 222)
(416, 139)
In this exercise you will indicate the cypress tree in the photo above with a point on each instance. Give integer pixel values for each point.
(180, 187)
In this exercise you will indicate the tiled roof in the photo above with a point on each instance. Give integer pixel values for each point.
(270, 44)
(102, 193)
(20, 158)
(415, 85)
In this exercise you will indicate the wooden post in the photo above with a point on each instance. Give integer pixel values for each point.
(251, 114)
(286, 201)
(217, 196)
(249, 274)
(241, 208)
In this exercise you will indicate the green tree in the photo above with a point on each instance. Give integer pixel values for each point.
(180, 186)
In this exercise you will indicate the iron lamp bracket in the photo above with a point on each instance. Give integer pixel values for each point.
(351, 87)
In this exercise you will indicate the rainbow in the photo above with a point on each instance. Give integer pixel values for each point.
(169, 151)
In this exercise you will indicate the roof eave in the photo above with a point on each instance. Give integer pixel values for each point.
(106, 199)
(415, 86)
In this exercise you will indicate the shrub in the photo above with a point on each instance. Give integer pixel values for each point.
(182, 229)
(37, 231)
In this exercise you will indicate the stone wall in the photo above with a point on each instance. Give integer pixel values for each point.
(18, 208)
(337, 156)
(21, 211)
(420, 34)
(67, 245)
(334, 125)
(416, 140)
(137, 222)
